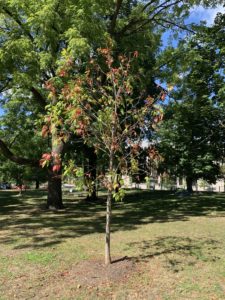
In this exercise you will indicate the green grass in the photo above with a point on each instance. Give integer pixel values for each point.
(177, 246)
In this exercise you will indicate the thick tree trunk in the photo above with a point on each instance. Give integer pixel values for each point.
(54, 200)
(189, 182)
(107, 228)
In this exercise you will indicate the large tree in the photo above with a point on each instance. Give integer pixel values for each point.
(189, 141)
(17, 128)
(191, 138)
(33, 36)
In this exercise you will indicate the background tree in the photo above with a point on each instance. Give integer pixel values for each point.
(32, 39)
(17, 174)
(22, 141)
(189, 141)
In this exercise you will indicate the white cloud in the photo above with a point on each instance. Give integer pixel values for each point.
(199, 13)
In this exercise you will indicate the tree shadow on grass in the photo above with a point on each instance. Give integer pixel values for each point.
(23, 218)
(178, 252)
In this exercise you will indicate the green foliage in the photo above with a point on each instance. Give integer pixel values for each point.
(119, 195)
(71, 171)
(17, 174)
(134, 165)
(190, 140)
(197, 64)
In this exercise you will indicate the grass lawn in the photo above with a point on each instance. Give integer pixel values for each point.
(164, 247)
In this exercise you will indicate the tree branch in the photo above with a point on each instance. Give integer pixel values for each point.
(162, 7)
(148, 4)
(175, 24)
(17, 20)
(5, 86)
(152, 15)
(17, 159)
(114, 16)
(38, 97)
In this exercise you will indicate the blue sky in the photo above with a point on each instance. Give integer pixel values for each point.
(199, 13)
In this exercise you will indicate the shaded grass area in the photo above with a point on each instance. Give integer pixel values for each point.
(85, 218)
(177, 245)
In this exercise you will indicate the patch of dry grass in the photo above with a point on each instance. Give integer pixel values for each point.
(172, 248)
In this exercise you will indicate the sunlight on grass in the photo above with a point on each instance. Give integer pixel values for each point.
(35, 257)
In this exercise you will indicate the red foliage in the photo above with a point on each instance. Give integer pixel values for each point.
(45, 131)
(79, 131)
(49, 86)
(47, 156)
(135, 54)
(104, 51)
(56, 168)
(62, 73)
(115, 70)
(135, 148)
(77, 89)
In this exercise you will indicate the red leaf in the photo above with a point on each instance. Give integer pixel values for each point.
(41, 162)
(46, 156)
(136, 54)
(56, 168)
(44, 131)
(62, 73)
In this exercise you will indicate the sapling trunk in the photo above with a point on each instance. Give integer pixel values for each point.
(107, 228)
(109, 210)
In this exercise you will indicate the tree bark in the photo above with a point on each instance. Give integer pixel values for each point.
(189, 182)
(54, 200)
(109, 209)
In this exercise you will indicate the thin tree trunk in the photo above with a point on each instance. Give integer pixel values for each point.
(107, 228)
(189, 182)
(109, 210)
